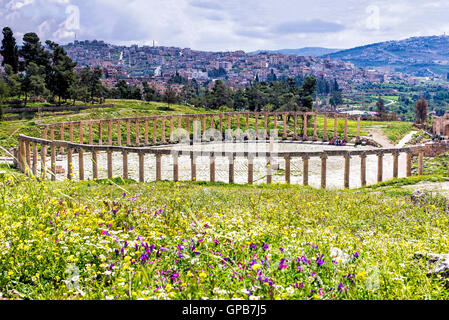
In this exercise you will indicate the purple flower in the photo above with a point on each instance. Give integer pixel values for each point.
(265, 246)
(319, 260)
(124, 194)
(253, 246)
(281, 249)
(283, 264)
(340, 286)
(355, 254)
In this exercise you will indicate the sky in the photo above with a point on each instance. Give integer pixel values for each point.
(227, 25)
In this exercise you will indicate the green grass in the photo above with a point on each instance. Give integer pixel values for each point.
(125, 240)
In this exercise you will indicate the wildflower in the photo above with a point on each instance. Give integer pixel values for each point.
(283, 264)
(265, 246)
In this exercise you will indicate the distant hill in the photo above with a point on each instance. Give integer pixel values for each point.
(419, 56)
(307, 51)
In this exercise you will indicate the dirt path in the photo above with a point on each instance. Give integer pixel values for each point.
(378, 136)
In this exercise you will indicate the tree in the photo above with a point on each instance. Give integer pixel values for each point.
(91, 80)
(380, 105)
(170, 96)
(221, 95)
(33, 81)
(421, 111)
(4, 92)
(60, 74)
(149, 94)
(33, 52)
(9, 50)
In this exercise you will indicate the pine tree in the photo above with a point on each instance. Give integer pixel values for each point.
(9, 50)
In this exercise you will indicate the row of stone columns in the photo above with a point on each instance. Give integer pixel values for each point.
(25, 164)
(163, 139)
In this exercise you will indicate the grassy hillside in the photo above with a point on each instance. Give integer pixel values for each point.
(124, 240)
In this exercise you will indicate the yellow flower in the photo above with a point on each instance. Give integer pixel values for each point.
(256, 266)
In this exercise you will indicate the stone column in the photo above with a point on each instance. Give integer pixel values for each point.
(304, 136)
(420, 161)
(380, 156)
(171, 129)
(28, 153)
(35, 155)
(287, 169)
(231, 168)
(363, 169)
(125, 164)
(52, 133)
(395, 164)
(315, 135)
(69, 163)
(81, 164)
(95, 163)
(325, 128)
(250, 170)
(409, 163)
(212, 168)
(53, 160)
(269, 171)
(323, 170)
(141, 167)
(146, 131)
(43, 160)
(91, 138)
(195, 129)
(193, 166)
(158, 167)
(175, 166)
(119, 132)
(188, 128)
(347, 169)
(305, 173)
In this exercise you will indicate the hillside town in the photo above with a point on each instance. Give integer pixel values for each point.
(157, 65)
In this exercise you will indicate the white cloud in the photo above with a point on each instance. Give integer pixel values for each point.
(227, 24)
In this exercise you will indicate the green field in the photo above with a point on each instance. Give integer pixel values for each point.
(166, 240)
